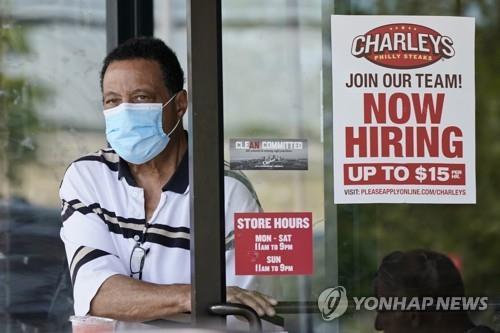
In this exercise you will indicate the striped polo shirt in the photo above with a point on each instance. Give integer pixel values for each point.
(103, 218)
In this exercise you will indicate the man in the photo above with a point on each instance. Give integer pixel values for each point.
(126, 208)
(421, 273)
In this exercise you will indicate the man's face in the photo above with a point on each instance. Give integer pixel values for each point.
(140, 81)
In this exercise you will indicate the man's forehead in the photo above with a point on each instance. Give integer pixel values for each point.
(132, 72)
(135, 63)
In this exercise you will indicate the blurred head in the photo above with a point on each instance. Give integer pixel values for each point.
(418, 273)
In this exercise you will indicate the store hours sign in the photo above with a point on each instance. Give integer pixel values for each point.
(403, 109)
(277, 243)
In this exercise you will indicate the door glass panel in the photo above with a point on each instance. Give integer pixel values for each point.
(276, 60)
(50, 56)
(380, 237)
(272, 90)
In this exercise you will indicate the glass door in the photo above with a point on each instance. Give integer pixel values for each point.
(277, 87)
(272, 79)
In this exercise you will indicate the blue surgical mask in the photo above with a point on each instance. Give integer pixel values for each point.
(135, 130)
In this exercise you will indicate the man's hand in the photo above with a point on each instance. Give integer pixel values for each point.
(262, 304)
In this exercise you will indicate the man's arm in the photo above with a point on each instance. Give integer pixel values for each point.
(124, 298)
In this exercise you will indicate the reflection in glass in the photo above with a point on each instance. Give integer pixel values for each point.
(428, 277)
(49, 114)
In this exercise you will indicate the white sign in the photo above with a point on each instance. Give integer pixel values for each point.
(403, 109)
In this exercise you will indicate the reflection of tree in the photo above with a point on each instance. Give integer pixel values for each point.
(18, 96)
(470, 232)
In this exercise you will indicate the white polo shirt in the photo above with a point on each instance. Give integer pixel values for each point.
(103, 216)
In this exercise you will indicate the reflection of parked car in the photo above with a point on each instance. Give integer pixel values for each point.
(33, 269)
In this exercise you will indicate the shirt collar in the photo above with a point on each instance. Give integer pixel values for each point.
(124, 172)
(178, 183)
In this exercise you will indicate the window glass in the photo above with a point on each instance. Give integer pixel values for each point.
(274, 62)
(170, 26)
(276, 85)
(50, 113)
(272, 90)
(369, 235)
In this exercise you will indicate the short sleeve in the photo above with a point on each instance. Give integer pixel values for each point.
(92, 257)
(239, 198)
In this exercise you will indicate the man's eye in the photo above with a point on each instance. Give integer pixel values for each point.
(112, 101)
(142, 98)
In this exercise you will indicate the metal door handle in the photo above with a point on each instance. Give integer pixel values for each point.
(234, 309)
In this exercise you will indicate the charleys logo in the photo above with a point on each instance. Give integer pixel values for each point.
(403, 46)
(332, 303)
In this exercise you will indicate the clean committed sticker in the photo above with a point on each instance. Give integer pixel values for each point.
(268, 154)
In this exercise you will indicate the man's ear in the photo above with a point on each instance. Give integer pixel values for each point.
(181, 103)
